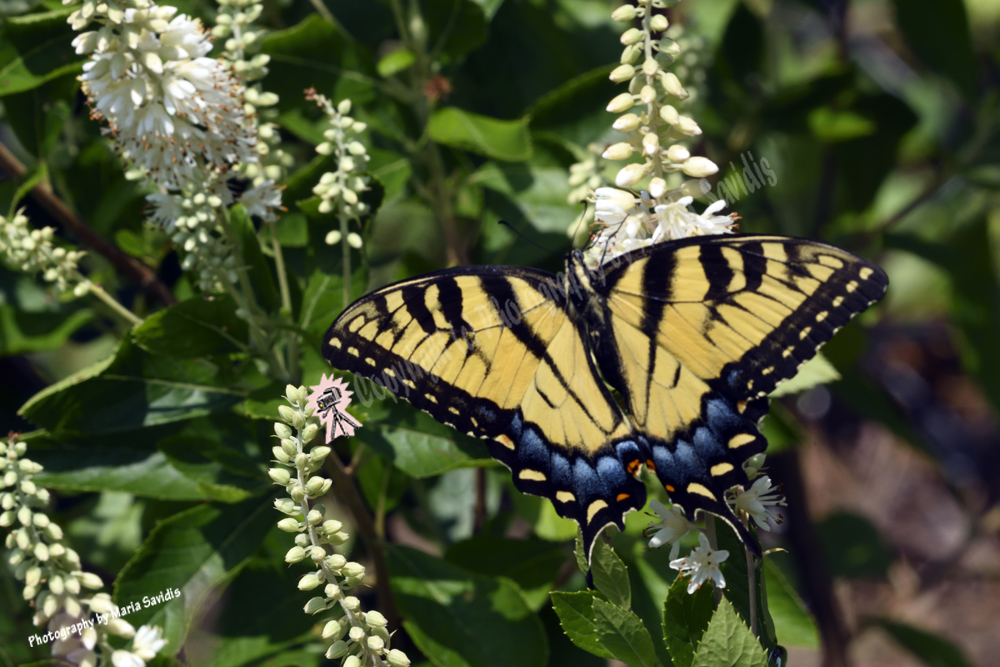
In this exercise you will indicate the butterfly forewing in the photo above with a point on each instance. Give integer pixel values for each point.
(494, 352)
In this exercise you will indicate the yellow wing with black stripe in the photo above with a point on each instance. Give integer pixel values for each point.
(698, 332)
(495, 353)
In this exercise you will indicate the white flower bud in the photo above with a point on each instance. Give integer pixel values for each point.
(623, 14)
(309, 581)
(317, 553)
(356, 634)
(352, 661)
(647, 95)
(338, 649)
(631, 53)
(41, 552)
(279, 475)
(699, 167)
(622, 73)
(336, 562)
(289, 525)
(344, 107)
(657, 188)
(397, 658)
(658, 23)
(650, 143)
(309, 432)
(280, 454)
(650, 67)
(354, 570)
(672, 85)
(626, 123)
(315, 486)
(56, 585)
(282, 430)
(333, 238)
(376, 644)
(24, 515)
(630, 175)
(316, 605)
(33, 576)
(375, 619)
(621, 103)
(632, 36)
(90, 580)
(354, 239)
(351, 603)
(332, 628)
(288, 415)
(678, 153)
(619, 151)
(295, 554)
(314, 517)
(121, 627)
(688, 126)
(285, 506)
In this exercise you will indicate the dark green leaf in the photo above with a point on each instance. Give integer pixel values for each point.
(195, 552)
(853, 546)
(538, 188)
(576, 615)
(220, 471)
(197, 327)
(938, 32)
(35, 175)
(261, 277)
(685, 618)
(623, 635)
(507, 140)
(532, 563)
(392, 169)
(395, 62)
(933, 650)
(36, 48)
(738, 591)
(22, 331)
(455, 27)
(129, 390)
(793, 624)
(610, 575)
(316, 54)
(728, 641)
(457, 618)
(414, 442)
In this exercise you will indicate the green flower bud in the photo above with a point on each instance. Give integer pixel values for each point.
(289, 446)
(292, 393)
(280, 454)
(338, 538)
(90, 580)
(332, 526)
(331, 629)
(353, 569)
(397, 658)
(332, 591)
(288, 415)
(318, 453)
(297, 493)
(289, 525)
(621, 103)
(315, 605)
(356, 634)
(295, 554)
(24, 515)
(317, 486)
(41, 552)
(72, 585)
(314, 517)
(7, 500)
(336, 562)
(375, 644)
(658, 23)
(302, 540)
(7, 519)
(624, 13)
(54, 532)
(622, 73)
(56, 585)
(309, 432)
(309, 581)
(352, 661)
(285, 506)
(351, 603)
(298, 420)
(375, 619)
(338, 649)
(317, 553)
(282, 430)
(279, 475)
(33, 575)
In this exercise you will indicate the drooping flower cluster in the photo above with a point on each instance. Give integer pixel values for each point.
(53, 580)
(340, 190)
(359, 638)
(656, 130)
(31, 250)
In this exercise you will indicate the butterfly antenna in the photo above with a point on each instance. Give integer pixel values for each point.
(525, 238)
(579, 221)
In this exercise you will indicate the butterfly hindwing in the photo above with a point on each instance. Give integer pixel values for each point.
(494, 352)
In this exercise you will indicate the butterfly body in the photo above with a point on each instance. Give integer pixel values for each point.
(691, 334)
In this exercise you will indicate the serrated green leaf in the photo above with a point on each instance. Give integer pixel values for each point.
(685, 619)
(576, 615)
(610, 575)
(623, 635)
(459, 619)
(130, 390)
(196, 552)
(728, 641)
(507, 140)
(197, 327)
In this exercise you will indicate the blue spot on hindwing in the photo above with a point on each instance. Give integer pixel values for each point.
(532, 451)
(587, 485)
(611, 472)
(562, 474)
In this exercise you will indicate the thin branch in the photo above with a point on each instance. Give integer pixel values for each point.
(56, 207)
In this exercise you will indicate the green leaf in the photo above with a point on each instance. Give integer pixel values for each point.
(532, 564)
(576, 615)
(507, 140)
(685, 618)
(323, 298)
(197, 327)
(938, 32)
(395, 62)
(392, 169)
(220, 471)
(610, 575)
(140, 472)
(542, 517)
(853, 546)
(456, 27)
(36, 48)
(830, 126)
(129, 390)
(814, 372)
(417, 444)
(459, 619)
(728, 641)
(623, 635)
(538, 188)
(316, 54)
(793, 624)
(195, 552)
(261, 277)
(933, 650)
(35, 175)
(738, 591)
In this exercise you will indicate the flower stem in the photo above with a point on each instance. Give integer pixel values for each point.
(112, 303)
(286, 298)
(752, 584)
(713, 542)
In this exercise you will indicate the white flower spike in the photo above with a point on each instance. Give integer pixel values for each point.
(702, 565)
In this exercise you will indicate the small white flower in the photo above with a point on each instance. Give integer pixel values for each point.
(263, 201)
(677, 221)
(126, 659)
(758, 501)
(148, 642)
(702, 565)
(672, 527)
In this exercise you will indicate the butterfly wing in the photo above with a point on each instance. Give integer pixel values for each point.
(493, 352)
(701, 330)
